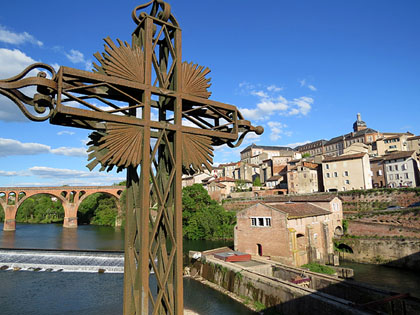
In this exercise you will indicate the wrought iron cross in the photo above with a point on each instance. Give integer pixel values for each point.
(152, 116)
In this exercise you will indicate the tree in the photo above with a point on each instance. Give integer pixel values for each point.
(98, 209)
(257, 181)
(240, 185)
(204, 218)
(306, 155)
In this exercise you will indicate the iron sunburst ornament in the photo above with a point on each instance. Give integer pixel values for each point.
(106, 147)
(119, 146)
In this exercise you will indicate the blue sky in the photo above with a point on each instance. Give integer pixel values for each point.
(302, 69)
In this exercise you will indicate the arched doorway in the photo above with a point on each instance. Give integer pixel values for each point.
(259, 250)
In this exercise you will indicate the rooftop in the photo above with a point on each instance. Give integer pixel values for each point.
(398, 155)
(301, 198)
(265, 147)
(299, 210)
(344, 157)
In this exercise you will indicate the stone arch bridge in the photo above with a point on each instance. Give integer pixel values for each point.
(71, 197)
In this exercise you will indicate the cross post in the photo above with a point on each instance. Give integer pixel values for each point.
(151, 115)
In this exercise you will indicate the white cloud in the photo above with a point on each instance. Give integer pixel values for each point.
(303, 83)
(11, 147)
(260, 94)
(10, 37)
(69, 151)
(48, 172)
(274, 88)
(271, 103)
(65, 132)
(277, 130)
(8, 174)
(12, 63)
(304, 105)
(76, 56)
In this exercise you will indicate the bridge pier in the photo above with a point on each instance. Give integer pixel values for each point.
(70, 222)
(9, 225)
(9, 217)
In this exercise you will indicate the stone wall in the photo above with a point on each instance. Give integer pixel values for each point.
(402, 253)
(382, 229)
(274, 295)
(326, 294)
(378, 199)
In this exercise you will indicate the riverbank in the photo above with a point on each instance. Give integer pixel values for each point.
(269, 286)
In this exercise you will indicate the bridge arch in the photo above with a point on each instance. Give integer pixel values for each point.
(345, 248)
(26, 197)
(70, 197)
(116, 196)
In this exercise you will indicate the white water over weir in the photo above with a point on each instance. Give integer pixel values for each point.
(58, 260)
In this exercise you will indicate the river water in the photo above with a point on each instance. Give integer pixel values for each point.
(27, 292)
(45, 293)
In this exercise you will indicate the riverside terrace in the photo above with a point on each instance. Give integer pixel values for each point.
(275, 286)
(71, 197)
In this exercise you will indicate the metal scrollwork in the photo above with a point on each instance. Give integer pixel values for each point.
(43, 101)
(164, 14)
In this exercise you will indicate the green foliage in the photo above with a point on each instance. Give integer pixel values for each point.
(240, 185)
(345, 226)
(98, 209)
(204, 218)
(40, 209)
(259, 306)
(306, 155)
(314, 267)
(257, 181)
(1, 214)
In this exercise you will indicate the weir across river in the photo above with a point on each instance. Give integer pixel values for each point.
(58, 260)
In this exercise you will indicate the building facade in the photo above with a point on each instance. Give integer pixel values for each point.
(347, 172)
(293, 233)
(401, 169)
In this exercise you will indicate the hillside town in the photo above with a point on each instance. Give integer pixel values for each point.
(361, 159)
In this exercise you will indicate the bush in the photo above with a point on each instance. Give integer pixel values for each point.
(314, 267)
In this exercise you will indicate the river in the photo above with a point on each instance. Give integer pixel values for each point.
(27, 292)
(45, 293)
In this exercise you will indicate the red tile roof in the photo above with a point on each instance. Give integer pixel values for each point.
(299, 210)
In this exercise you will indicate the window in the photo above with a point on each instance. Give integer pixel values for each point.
(328, 175)
(392, 146)
(380, 173)
(390, 168)
(327, 166)
(404, 166)
(335, 174)
(346, 173)
(391, 177)
(406, 175)
(396, 167)
(261, 221)
(347, 182)
(397, 176)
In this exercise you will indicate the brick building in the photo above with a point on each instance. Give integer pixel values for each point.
(294, 233)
